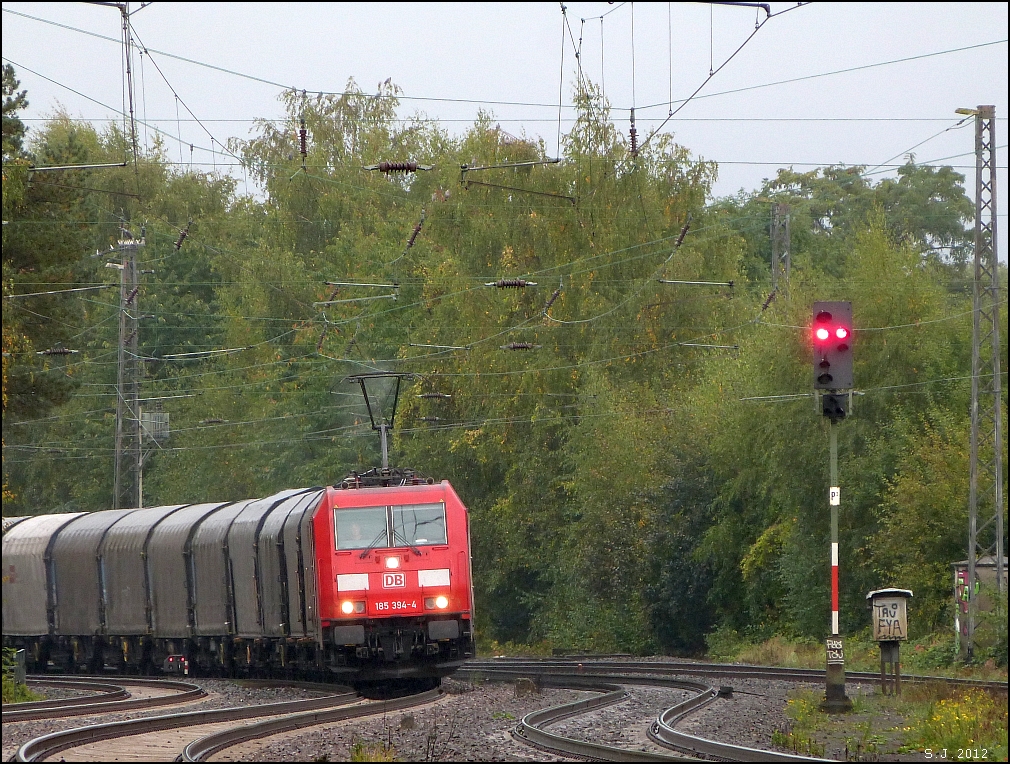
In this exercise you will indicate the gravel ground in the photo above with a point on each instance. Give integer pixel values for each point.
(624, 724)
(472, 722)
(755, 710)
(469, 723)
(221, 693)
(60, 693)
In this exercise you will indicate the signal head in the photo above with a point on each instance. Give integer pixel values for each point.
(832, 349)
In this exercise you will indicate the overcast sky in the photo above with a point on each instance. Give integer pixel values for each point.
(452, 60)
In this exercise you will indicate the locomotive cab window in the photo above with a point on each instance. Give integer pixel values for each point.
(362, 528)
(416, 524)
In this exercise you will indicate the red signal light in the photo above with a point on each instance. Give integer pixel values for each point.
(821, 333)
(841, 332)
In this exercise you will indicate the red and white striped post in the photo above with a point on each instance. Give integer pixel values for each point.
(835, 699)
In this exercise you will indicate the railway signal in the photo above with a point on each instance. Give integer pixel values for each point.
(832, 335)
(832, 355)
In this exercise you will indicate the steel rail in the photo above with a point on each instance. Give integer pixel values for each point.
(531, 728)
(48, 745)
(117, 698)
(201, 749)
(663, 733)
(558, 672)
(101, 691)
(742, 670)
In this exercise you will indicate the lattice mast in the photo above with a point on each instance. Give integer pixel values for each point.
(126, 480)
(986, 492)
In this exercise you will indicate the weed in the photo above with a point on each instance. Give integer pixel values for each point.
(797, 743)
(780, 652)
(362, 751)
(503, 715)
(434, 749)
(525, 686)
(968, 719)
(725, 643)
(12, 691)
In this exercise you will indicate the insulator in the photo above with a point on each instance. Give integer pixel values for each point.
(510, 283)
(551, 299)
(131, 295)
(397, 167)
(683, 233)
(58, 351)
(634, 135)
(519, 346)
(768, 301)
(182, 237)
(416, 231)
(302, 132)
(434, 396)
(431, 419)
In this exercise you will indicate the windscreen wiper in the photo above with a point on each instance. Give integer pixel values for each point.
(370, 547)
(413, 548)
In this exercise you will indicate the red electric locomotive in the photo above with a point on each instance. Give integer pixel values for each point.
(365, 581)
(395, 561)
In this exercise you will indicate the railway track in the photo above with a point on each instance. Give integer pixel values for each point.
(195, 735)
(110, 696)
(198, 735)
(608, 676)
(203, 748)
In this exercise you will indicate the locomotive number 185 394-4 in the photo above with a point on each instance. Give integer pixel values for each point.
(396, 605)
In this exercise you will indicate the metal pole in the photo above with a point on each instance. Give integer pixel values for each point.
(833, 440)
(385, 448)
(140, 458)
(120, 369)
(835, 699)
(986, 490)
(127, 444)
(786, 256)
(134, 367)
(775, 246)
(780, 244)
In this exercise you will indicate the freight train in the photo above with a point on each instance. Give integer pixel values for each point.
(364, 581)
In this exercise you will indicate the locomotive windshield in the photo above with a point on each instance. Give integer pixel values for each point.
(361, 528)
(419, 524)
(411, 525)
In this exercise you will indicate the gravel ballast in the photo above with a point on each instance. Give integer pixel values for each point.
(221, 693)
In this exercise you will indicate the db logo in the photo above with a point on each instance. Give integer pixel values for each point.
(393, 580)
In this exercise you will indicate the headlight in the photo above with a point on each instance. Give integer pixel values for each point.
(347, 607)
(392, 562)
(441, 602)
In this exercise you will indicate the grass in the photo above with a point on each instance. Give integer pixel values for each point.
(12, 691)
(933, 654)
(488, 648)
(957, 720)
(362, 751)
(963, 724)
(17, 693)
